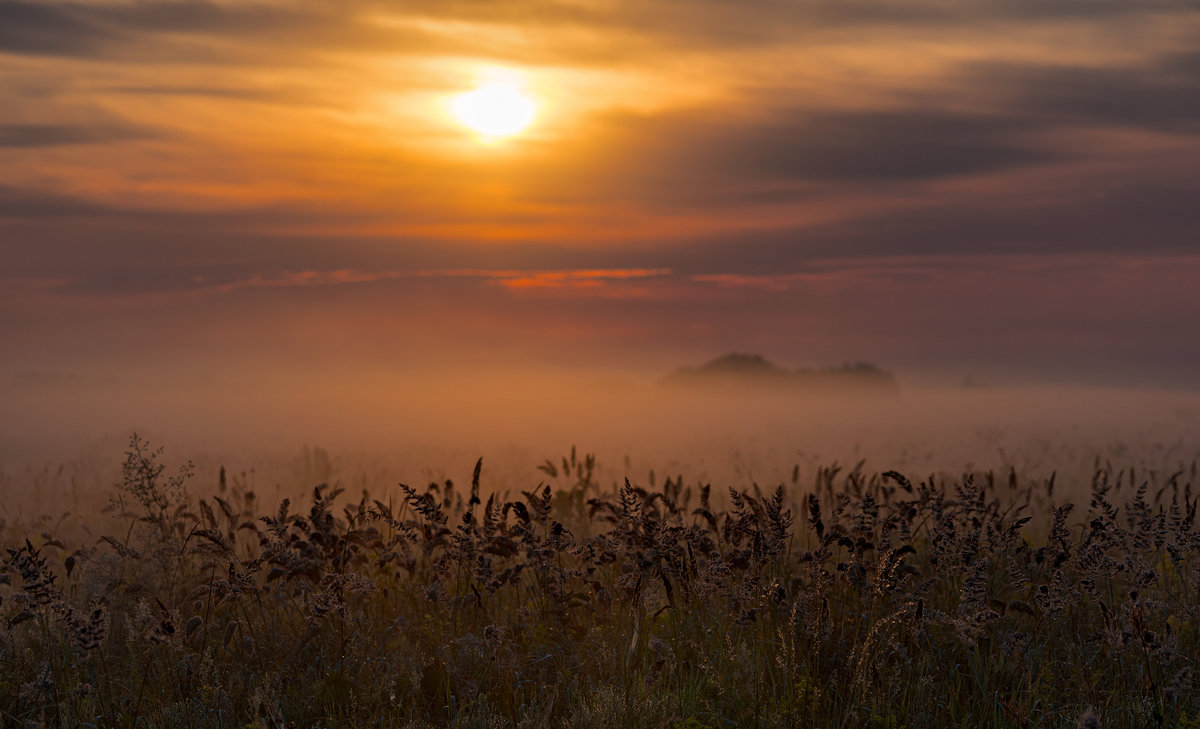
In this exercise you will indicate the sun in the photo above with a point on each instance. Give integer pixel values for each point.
(495, 109)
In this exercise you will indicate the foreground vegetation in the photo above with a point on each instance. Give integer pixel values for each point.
(861, 600)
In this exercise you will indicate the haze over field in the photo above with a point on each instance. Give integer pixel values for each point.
(380, 428)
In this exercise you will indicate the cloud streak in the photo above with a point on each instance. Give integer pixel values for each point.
(517, 280)
(23, 136)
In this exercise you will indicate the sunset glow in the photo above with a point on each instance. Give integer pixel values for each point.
(495, 109)
(822, 181)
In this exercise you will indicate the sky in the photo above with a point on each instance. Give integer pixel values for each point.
(1001, 189)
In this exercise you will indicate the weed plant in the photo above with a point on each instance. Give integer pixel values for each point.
(861, 600)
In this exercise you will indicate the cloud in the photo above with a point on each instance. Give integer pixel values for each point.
(22, 203)
(780, 282)
(593, 280)
(203, 281)
(717, 22)
(531, 31)
(876, 145)
(18, 203)
(664, 27)
(1161, 95)
(993, 119)
(715, 25)
(214, 92)
(694, 159)
(99, 28)
(1154, 218)
(200, 31)
(47, 28)
(58, 135)
(511, 279)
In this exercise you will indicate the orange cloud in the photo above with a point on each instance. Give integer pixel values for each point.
(511, 279)
(576, 279)
(308, 278)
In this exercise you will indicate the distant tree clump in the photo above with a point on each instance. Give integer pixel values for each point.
(755, 370)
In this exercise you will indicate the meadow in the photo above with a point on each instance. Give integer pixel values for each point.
(831, 597)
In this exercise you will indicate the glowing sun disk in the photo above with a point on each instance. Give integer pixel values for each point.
(495, 109)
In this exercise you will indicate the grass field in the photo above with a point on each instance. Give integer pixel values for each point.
(855, 599)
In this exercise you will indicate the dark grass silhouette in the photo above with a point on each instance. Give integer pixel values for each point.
(859, 600)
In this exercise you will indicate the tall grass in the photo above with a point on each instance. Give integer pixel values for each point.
(863, 600)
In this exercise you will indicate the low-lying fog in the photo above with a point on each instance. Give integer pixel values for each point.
(288, 432)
